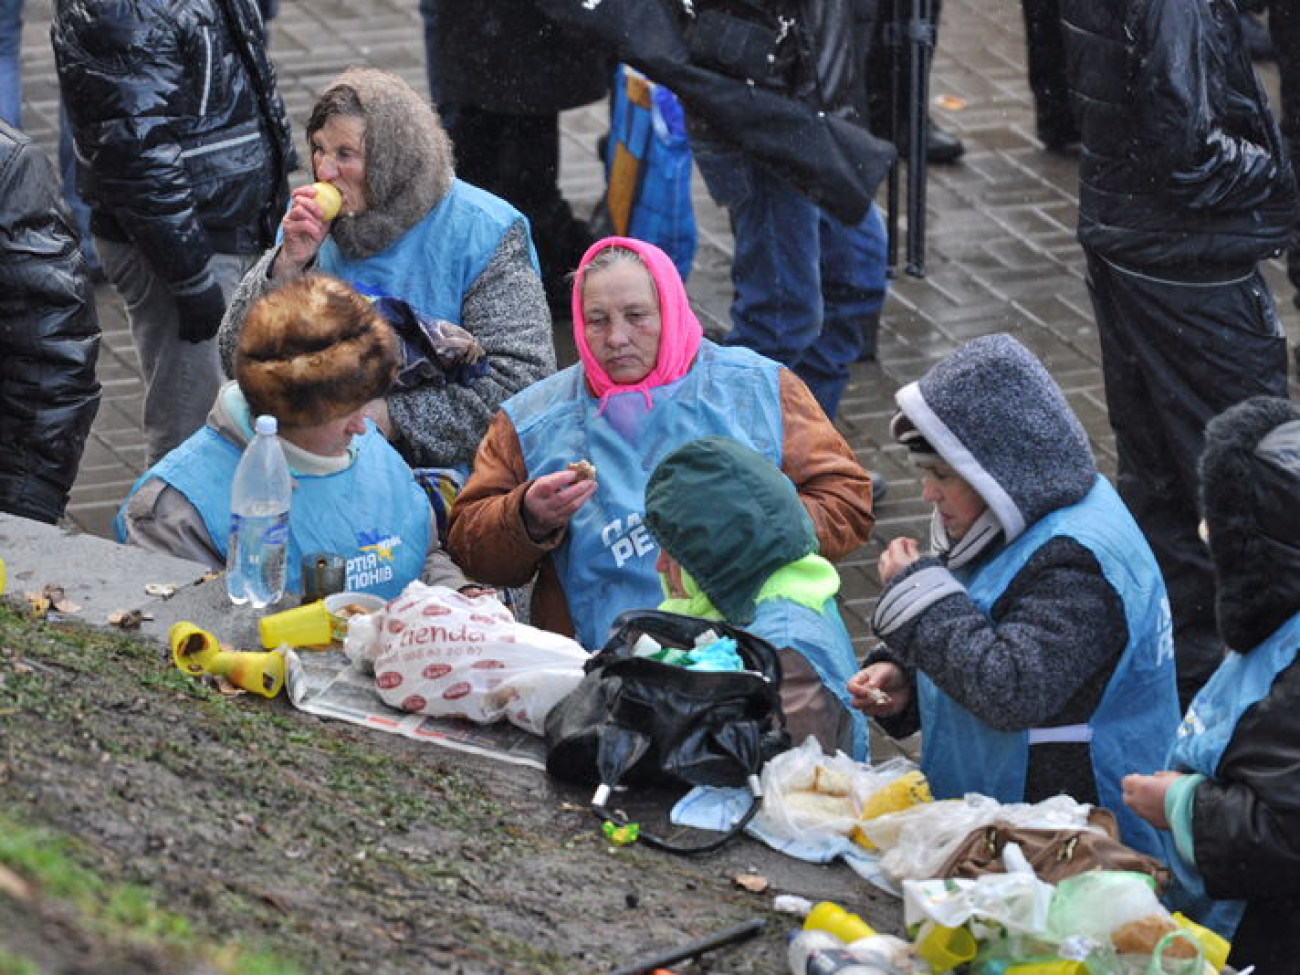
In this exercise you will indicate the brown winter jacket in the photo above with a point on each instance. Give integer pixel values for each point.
(488, 540)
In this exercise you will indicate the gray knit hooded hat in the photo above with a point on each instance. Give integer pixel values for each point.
(996, 416)
(409, 165)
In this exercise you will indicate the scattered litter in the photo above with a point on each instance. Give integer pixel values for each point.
(791, 904)
(51, 598)
(127, 619)
(751, 882)
(162, 590)
(621, 835)
(953, 103)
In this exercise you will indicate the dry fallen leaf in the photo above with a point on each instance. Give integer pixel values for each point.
(751, 882)
(38, 603)
(14, 885)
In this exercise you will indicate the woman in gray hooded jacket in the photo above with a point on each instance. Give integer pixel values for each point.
(1033, 643)
(409, 229)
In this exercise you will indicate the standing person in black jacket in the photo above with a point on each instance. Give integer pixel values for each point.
(1185, 186)
(49, 337)
(504, 71)
(184, 151)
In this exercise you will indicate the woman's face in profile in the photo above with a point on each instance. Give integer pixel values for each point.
(620, 311)
(331, 438)
(956, 501)
(338, 156)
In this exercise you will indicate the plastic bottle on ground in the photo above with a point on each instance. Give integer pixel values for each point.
(259, 521)
(816, 952)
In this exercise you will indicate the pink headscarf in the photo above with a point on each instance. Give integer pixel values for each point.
(680, 331)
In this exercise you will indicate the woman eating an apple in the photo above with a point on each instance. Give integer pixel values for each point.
(404, 227)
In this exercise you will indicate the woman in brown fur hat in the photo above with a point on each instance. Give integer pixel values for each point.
(313, 354)
(409, 230)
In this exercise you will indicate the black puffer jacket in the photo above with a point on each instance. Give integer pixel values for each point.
(184, 143)
(49, 337)
(1183, 166)
(1246, 819)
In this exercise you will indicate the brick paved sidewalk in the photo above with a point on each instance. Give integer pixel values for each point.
(1002, 254)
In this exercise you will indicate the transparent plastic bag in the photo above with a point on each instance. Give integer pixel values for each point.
(813, 797)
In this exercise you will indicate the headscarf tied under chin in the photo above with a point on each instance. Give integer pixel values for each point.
(680, 331)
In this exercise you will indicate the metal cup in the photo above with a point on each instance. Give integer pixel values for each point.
(323, 574)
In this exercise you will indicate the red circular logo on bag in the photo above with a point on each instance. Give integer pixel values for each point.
(457, 690)
(388, 680)
(413, 703)
(433, 609)
(395, 625)
(488, 664)
(435, 671)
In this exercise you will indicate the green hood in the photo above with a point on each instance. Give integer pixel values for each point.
(730, 517)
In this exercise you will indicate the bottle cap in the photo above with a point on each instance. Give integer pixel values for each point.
(266, 425)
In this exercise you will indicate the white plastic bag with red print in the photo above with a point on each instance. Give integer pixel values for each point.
(443, 653)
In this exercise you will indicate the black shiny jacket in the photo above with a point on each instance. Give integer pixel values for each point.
(49, 337)
(183, 142)
(1183, 166)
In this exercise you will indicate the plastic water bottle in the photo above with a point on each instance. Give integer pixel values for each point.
(814, 952)
(259, 521)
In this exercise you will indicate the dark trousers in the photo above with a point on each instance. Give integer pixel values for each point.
(517, 157)
(1284, 27)
(1053, 115)
(1174, 355)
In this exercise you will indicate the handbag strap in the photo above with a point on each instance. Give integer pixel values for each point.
(604, 814)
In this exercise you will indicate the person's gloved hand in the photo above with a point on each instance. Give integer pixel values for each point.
(201, 313)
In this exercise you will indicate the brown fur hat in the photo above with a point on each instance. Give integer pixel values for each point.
(314, 350)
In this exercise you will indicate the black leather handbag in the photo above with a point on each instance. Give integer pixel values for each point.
(633, 720)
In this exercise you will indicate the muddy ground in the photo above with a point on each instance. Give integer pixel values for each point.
(233, 834)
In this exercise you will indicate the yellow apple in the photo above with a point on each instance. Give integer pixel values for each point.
(329, 198)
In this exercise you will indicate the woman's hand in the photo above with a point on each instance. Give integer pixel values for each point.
(551, 501)
(305, 228)
(880, 689)
(1145, 795)
(898, 555)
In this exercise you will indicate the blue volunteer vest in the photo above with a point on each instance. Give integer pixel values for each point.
(824, 641)
(1241, 681)
(373, 513)
(607, 561)
(433, 264)
(1138, 712)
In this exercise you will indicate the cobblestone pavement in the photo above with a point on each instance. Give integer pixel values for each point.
(1002, 254)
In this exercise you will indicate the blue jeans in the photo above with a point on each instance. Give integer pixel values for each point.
(11, 77)
(80, 211)
(808, 288)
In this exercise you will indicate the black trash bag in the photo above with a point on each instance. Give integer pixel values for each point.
(636, 721)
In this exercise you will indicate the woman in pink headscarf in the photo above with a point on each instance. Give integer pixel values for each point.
(648, 381)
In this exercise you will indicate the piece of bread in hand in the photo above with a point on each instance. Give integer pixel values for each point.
(585, 470)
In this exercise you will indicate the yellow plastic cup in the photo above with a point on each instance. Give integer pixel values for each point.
(2, 577)
(1215, 945)
(193, 649)
(833, 919)
(1057, 966)
(943, 947)
(302, 626)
